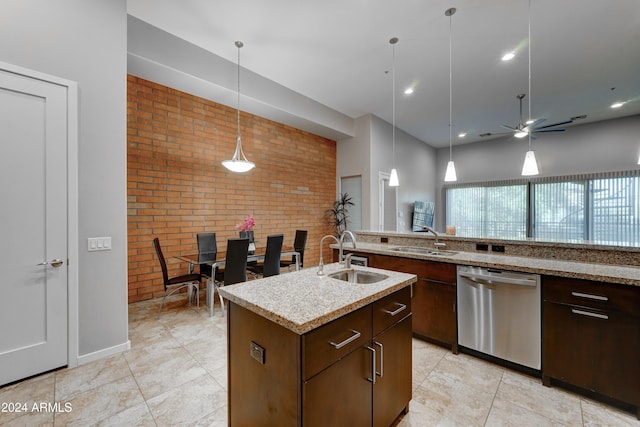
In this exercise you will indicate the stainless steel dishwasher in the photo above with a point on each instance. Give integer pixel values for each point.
(499, 314)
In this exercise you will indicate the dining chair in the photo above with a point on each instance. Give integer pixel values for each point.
(235, 268)
(207, 245)
(271, 264)
(299, 244)
(173, 284)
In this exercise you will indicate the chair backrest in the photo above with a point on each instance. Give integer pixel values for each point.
(271, 265)
(300, 243)
(235, 267)
(163, 263)
(207, 244)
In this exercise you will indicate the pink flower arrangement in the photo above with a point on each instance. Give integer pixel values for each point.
(247, 224)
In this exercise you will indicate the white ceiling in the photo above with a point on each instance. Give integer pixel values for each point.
(337, 53)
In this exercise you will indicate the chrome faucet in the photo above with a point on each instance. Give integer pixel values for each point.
(321, 263)
(340, 243)
(437, 244)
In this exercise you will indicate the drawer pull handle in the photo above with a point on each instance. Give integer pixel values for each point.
(589, 296)
(590, 314)
(373, 364)
(381, 373)
(352, 338)
(396, 311)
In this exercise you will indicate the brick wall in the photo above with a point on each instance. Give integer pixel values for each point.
(177, 186)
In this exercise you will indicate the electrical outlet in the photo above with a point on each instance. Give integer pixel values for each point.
(99, 244)
(497, 248)
(256, 352)
(482, 247)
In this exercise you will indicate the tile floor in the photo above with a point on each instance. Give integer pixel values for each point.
(175, 374)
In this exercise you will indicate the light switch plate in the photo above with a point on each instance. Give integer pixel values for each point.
(99, 244)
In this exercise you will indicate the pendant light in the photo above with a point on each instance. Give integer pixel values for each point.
(530, 166)
(238, 162)
(450, 174)
(393, 179)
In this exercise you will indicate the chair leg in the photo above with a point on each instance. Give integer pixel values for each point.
(162, 305)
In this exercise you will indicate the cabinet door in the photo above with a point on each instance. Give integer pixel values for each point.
(340, 394)
(594, 349)
(392, 390)
(434, 307)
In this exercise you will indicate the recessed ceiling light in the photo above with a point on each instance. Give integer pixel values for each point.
(408, 91)
(508, 56)
(462, 135)
(617, 105)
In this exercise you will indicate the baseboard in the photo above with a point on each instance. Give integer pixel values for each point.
(101, 354)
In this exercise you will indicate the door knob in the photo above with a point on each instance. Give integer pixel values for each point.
(53, 263)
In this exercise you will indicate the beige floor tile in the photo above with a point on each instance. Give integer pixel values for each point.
(529, 393)
(98, 404)
(188, 403)
(70, 382)
(507, 414)
(474, 372)
(135, 416)
(596, 414)
(446, 399)
(425, 358)
(24, 395)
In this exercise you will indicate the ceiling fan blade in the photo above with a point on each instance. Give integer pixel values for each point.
(536, 123)
(555, 124)
(509, 127)
(549, 130)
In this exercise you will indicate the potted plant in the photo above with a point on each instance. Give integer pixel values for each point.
(338, 215)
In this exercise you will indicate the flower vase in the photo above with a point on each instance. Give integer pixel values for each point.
(249, 235)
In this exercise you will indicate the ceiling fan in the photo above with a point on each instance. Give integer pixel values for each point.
(522, 129)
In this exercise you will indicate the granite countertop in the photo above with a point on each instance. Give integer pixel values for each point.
(626, 275)
(302, 301)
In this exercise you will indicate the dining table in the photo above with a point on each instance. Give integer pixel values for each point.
(218, 259)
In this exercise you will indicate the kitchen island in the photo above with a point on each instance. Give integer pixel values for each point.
(305, 349)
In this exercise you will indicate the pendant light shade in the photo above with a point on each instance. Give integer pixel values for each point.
(450, 174)
(530, 166)
(393, 179)
(238, 162)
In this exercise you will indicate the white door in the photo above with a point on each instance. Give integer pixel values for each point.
(33, 226)
(387, 203)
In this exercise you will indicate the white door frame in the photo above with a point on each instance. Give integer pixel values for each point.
(72, 201)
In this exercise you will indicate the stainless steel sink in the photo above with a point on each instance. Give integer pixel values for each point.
(358, 276)
(423, 251)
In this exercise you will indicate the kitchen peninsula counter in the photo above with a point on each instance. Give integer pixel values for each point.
(601, 272)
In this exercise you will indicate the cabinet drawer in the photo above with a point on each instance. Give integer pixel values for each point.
(587, 293)
(391, 309)
(329, 343)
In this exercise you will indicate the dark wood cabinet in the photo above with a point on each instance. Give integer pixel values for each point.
(434, 296)
(591, 337)
(355, 370)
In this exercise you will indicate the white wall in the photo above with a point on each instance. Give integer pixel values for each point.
(612, 145)
(371, 152)
(85, 41)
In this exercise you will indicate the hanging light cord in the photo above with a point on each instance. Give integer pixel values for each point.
(450, 90)
(529, 132)
(393, 100)
(239, 45)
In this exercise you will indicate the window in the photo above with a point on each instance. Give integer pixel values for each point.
(488, 210)
(603, 208)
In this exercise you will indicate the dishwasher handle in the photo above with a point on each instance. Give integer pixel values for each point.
(491, 280)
